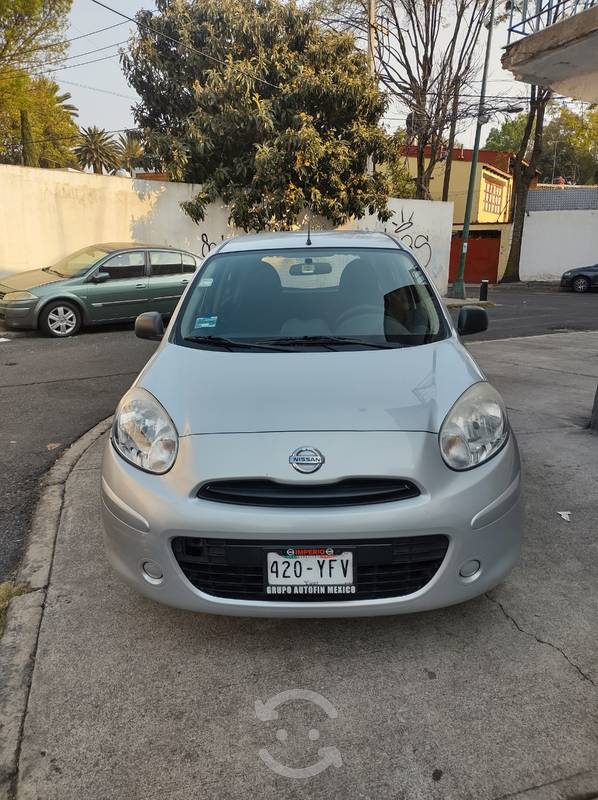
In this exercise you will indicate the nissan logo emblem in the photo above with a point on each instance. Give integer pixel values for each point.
(306, 459)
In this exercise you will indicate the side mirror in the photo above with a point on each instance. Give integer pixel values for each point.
(100, 277)
(149, 325)
(472, 319)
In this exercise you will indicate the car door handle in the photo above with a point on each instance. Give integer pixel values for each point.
(140, 285)
(185, 281)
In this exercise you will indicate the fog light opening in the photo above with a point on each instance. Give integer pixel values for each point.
(470, 571)
(152, 572)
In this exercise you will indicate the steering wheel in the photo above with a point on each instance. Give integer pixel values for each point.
(358, 311)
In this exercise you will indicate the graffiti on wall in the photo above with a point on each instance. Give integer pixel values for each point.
(206, 245)
(418, 242)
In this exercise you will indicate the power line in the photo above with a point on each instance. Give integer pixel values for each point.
(75, 136)
(97, 89)
(64, 42)
(186, 46)
(43, 73)
(31, 64)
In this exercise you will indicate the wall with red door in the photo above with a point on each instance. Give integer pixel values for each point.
(483, 253)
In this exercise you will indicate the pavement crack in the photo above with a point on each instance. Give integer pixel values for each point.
(514, 622)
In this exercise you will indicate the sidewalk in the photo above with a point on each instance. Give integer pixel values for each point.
(489, 700)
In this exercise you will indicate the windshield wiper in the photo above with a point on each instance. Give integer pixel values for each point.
(49, 269)
(329, 341)
(231, 344)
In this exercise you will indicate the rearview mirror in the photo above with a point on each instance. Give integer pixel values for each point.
(149, 325)
(101, 277)
(472, 319)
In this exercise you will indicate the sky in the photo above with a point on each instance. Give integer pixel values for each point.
(104, 98)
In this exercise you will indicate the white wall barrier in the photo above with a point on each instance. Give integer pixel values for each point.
(45, 214)
(555, 241)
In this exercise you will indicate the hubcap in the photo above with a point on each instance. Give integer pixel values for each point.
(62, 321)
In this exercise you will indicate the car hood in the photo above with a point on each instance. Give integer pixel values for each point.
(21, 281)
(408, 389)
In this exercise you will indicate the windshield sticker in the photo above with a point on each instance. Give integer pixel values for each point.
(205, 322)
(204, 283)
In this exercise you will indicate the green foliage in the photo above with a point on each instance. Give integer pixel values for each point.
(130, 151)
(508, 136)
(98, 150)
(569, 144)
(402, 184)
(270, 112)
(28, 147)
(30, 31)
(570, 147)
(8, 590)
(53, 129)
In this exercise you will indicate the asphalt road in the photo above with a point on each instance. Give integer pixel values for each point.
(52, 391)
(530, 312)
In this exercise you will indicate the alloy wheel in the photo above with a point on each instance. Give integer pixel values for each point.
(581, 284)
(62, 321)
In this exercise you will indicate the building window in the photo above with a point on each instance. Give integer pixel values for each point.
(493, 194)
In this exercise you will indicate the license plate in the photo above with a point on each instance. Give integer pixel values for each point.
(309, 571)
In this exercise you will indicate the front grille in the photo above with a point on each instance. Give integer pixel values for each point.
(348, 492)
(382, 567)
(2, 295)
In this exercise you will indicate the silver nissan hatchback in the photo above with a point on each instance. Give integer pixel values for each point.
(311, 438)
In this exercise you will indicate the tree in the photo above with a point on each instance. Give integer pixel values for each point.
(570, 144)
(30, 31)
(426, 57)
(51, 118)
(267, 110)
(28, 149)
(570, 148)
(130, 151)
(401, 182)
(98, 150)
(524, 171)
(508, 136)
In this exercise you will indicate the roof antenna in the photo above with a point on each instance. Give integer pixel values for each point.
(308, 242)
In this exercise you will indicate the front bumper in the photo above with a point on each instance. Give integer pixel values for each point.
(15, 315)
(479, 511)
(566, 282)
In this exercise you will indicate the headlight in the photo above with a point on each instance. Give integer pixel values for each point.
(12, 297)
(566, 274)
(143, 433)
(475, 428)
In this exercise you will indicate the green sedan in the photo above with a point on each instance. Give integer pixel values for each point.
(99, 284)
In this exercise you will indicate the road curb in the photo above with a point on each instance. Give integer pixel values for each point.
(457, 302)
(19, 643)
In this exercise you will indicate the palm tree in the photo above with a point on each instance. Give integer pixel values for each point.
(62, 100)
(98, 150)
(130, 151)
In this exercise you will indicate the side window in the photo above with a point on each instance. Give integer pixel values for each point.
(189, 263)
(165, 262)
(125, 265)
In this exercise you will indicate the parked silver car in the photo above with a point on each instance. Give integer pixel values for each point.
(311, 439)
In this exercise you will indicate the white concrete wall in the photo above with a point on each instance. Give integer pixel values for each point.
(423, 225)
(46, 214)
(554, 241)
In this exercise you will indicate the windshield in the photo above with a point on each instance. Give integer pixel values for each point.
(76, 264)
(311, 297)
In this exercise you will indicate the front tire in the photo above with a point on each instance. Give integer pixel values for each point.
(581, 284)
(60, 319)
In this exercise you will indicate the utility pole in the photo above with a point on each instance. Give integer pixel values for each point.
(459, 284)
(372, 36)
